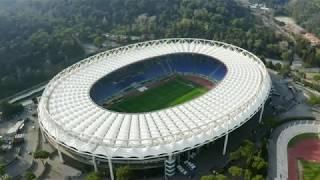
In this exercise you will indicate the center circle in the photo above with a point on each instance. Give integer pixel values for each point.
(158, 82)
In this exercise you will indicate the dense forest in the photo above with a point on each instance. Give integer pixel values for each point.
(306, 13)
(41, 37)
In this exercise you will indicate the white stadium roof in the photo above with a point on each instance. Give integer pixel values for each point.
(68, 114)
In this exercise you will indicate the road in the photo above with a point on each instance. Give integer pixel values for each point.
(27, 94)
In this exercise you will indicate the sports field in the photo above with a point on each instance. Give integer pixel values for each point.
(170, 93)
(311, 170)
(304, 157)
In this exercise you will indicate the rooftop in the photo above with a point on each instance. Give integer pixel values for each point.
(67, 112)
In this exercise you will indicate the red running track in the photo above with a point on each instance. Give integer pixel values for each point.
(308, 150)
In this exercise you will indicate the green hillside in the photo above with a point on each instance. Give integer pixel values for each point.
(39, 38)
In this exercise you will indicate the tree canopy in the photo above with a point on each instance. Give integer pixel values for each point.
(214, 177)
(2, 170)
(40, 38)
(41, 154)
(251, 160)
(235, 171)
(306, 13)
(29, 176)
(10, 109)
(123, 173)
(93, 176)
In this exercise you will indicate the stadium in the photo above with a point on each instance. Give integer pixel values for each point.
(147, 103)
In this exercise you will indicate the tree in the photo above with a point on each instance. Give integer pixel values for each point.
(316, 77)
(52, 37)
(214, 177)
(236, 155)
(317, 56)
(7, 178)
(313, 99)
(285, 56)
(235, 171)
(123, 173)
(247, 174)
(221, 177)
(10, 109)
(2, 170)
(285, 70)
(41, 154)
(35, 100)
(3, 175)
(258, 177)
(258, 163)
(98, 40)
(270, 65)
(29, 176)
(246, 150)
(93, 176)
(277, 66)
(209, 177)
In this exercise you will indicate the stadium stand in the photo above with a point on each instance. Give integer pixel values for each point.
(157, 68)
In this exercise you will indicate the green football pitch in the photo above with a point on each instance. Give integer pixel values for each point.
(170, 93)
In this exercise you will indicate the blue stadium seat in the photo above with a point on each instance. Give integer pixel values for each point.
(154, 69)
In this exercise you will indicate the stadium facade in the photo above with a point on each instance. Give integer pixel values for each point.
(75, 120)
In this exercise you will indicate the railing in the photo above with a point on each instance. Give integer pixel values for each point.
(250, 106)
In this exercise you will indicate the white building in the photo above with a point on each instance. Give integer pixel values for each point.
(14, 129)
(78, 127)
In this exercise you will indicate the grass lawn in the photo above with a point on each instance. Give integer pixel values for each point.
(168, 94)
(311, 170)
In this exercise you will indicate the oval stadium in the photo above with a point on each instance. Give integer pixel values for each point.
(147, 103)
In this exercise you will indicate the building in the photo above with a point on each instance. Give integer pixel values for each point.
(73, 119)
(15, 128)
(19, 138)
